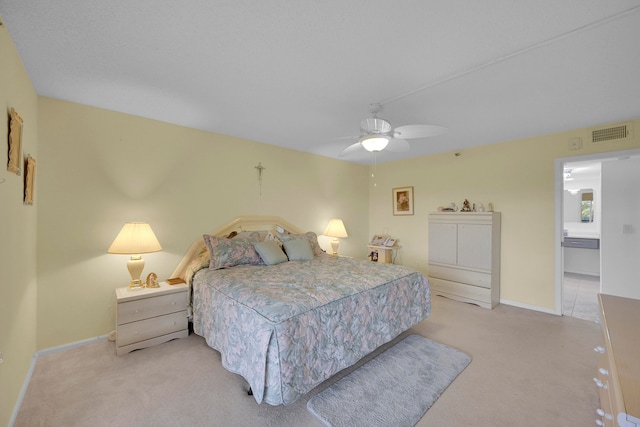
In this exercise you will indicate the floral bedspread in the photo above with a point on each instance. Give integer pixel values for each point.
(287, 327)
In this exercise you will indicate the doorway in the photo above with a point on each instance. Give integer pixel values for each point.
(618, 265)
(581, 202)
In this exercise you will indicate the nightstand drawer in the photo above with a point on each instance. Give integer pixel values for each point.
(151, 328)
(151, 307)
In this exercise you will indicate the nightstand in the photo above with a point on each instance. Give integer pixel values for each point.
(385, 253)
(150, 316)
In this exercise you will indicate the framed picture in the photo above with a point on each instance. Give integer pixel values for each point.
(29, 178)
(15, 142)
(403, 201)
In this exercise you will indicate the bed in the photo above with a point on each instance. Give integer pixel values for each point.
(287, 326)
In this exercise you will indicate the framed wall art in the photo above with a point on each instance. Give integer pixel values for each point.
(403, 201)
(29, 179)
(15, 142)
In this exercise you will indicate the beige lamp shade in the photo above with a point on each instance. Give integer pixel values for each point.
(335, 229)
(134, 239)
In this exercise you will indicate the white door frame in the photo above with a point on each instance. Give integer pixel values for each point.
(559, 211)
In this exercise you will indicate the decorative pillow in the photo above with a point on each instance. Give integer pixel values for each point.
(248, 235)
(230, 252)
(310, 236)
(270, 252)
(298, 250)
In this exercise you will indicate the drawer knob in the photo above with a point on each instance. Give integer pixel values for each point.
(600, 384)
(136, 333)
(173, 303)
(602, 413)
(603, 371)
(599, 349)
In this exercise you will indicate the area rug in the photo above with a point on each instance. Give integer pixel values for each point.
(395, 388)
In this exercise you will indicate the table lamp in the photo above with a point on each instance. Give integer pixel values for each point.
(134, 239)
(335, 229)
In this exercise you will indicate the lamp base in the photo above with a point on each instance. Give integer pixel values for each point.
(135, 267)
(136, 285)
(335, 244)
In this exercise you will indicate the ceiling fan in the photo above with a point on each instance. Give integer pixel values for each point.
(376, 134)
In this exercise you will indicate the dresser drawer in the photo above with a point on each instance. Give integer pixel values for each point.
(473, 293)
(577, 242)
(602, 381)
(151, 328)
(132, 311)
(474, 278)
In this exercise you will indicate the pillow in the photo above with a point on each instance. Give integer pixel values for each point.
(230, 252)
(298, 250)
(248, 235)
(270, 252)
(310, 236)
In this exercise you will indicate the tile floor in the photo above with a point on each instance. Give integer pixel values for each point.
(580, 297)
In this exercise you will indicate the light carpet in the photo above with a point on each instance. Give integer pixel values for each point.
(395, 388)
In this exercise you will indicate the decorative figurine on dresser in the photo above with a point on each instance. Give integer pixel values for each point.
(464, 256)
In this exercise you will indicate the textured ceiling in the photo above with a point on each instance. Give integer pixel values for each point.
(301, 74)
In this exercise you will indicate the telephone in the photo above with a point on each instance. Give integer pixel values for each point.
(383, 240)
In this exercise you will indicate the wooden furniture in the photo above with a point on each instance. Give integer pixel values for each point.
(385, 253)
(618, 376)
(150, 316)
(464, 256)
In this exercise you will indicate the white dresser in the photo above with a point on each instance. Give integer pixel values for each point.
(150, 316)
(464, 256)
(618, 375)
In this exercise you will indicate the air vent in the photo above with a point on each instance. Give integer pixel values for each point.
(611, 133)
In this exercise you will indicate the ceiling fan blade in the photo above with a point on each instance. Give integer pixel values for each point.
(418, 131)
(351, 149)
(398, 145)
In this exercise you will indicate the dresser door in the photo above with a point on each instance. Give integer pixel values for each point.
(443, 240)
(474, 246)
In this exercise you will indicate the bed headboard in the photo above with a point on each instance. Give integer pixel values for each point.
(241, 223)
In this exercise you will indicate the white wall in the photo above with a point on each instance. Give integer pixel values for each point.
(620, 241)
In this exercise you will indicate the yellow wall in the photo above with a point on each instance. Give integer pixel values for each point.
(100, 169)
(517, 177)
(17, 234)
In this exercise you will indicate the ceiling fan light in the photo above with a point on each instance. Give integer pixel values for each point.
(374, 142)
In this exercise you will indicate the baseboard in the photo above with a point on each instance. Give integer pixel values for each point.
(529, 307)
(44, 352)
(70, 345)
(23, 390)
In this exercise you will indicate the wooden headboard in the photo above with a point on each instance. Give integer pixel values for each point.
(241, 223)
